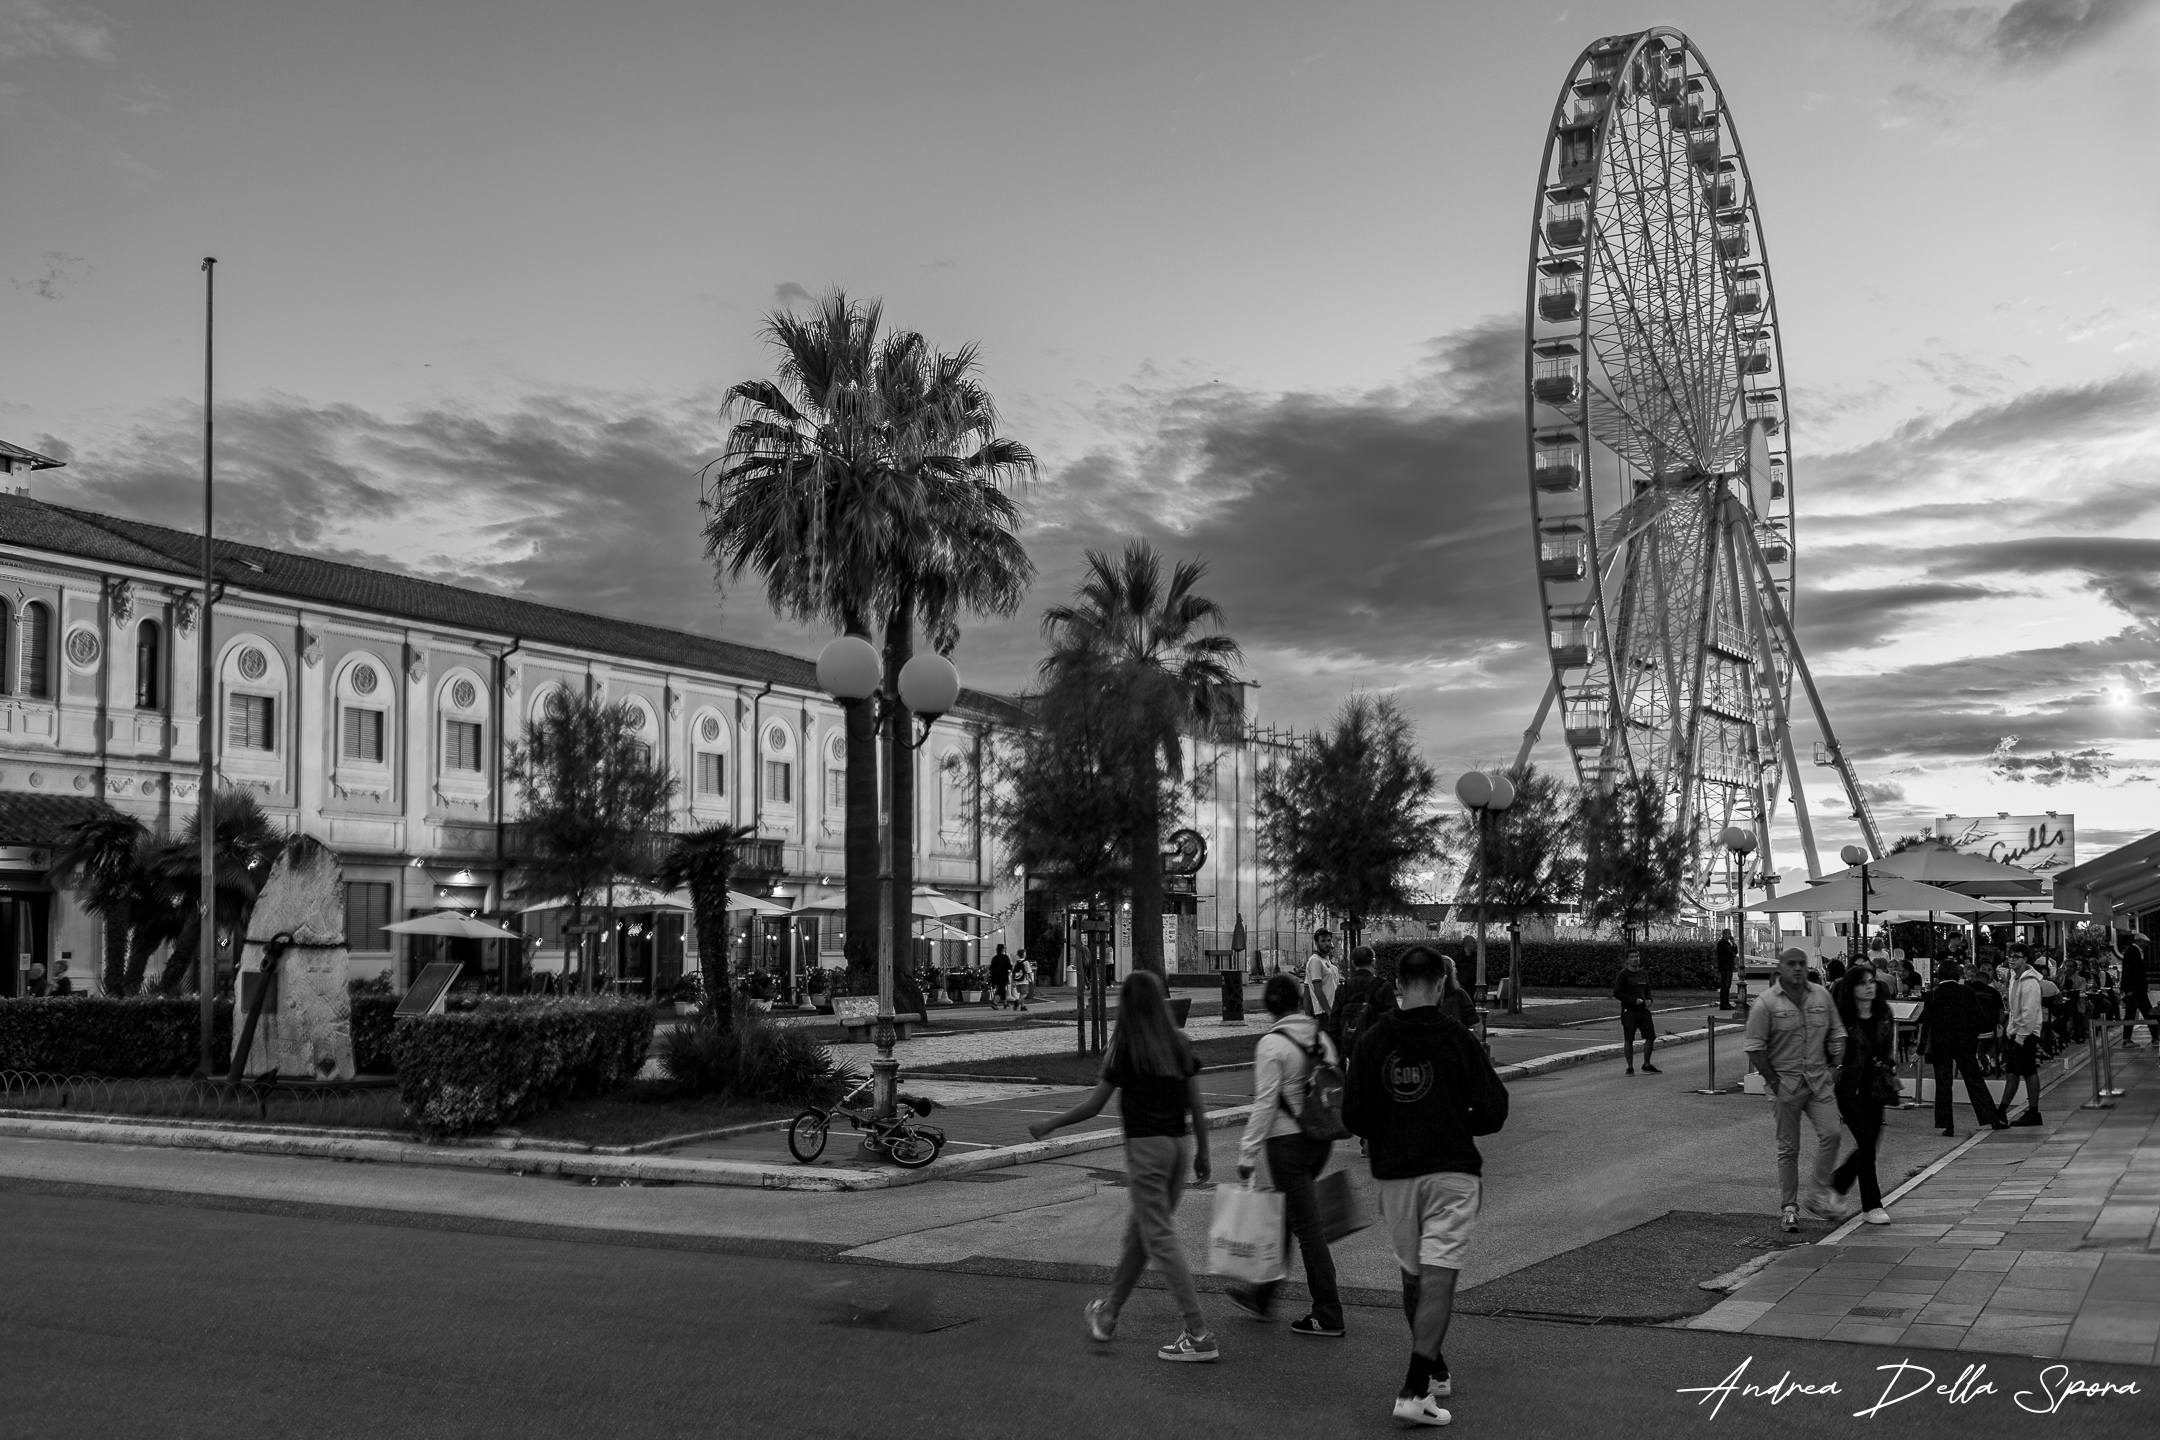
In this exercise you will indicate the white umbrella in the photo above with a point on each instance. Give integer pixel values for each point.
(820, 897)
(1884, 892)
(930, 905)
(451, 923)
(627, 897)
(738, 902)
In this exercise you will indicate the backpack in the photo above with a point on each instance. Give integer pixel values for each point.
(1320, 1117)
(1354, 1013)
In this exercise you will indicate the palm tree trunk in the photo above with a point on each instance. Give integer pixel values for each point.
(710, 901)
(862, 846)
(899, 648)
(1147, 878)
(116, 954)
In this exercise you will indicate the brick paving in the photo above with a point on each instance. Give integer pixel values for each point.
(2041, 1241)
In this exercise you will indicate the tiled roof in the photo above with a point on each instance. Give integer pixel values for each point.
(35, 525)
(27, 819)
(37, 461)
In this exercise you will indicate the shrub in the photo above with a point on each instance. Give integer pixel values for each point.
(373, 1016)
(474, 1070)
(1588, 964)
(753, 1059)
(129, 1038)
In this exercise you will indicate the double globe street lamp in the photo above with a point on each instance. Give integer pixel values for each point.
(851, 671)
(1739, 843)
(1485, 796)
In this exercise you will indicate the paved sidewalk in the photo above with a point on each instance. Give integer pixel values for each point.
(2041, 1241)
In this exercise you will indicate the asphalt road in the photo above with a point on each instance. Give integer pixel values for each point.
(120, 1319)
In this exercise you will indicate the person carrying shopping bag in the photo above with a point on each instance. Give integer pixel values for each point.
(1152, 1070)
(1283, 1065)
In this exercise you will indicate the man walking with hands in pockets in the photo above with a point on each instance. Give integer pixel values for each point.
(1419, 1089)
(1795, 1040)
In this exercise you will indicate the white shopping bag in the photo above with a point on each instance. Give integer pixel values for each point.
(1245, 1239)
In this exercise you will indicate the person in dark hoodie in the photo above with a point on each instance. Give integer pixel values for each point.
(1418, 1091)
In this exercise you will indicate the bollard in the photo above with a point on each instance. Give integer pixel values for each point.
(2095, 1052)
(1710, 1046)
(1233, 997)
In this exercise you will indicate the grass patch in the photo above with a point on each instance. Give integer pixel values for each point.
(1647, 1273)
(1065, 1068)
(643, 1111)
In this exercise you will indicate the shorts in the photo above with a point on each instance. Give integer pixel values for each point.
(1429, 1218)
(1635, 1020)
(2023, 1056)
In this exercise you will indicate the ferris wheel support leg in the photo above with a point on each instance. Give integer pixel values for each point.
(1693, 730)
(1537, 725)
(1784, 719)
(1861, 812)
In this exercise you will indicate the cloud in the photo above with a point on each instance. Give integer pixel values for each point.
(31, 27)
(61, 271)
(1883, 793)
(2028, 35)
(2053, 768)
(2124, 570)
(788, 295)
(1834, 620)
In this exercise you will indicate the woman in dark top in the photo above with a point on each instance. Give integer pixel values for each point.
(1870, 1042)
(1455, 1000)
(1156, 1077)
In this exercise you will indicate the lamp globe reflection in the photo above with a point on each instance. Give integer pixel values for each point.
(1737, 840)
(929, 685)
(1853, 855)
(849, 668)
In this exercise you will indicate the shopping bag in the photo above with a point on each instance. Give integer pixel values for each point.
(1245, 1239)
(1340, 1212)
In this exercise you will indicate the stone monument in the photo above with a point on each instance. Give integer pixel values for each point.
(305, 1032)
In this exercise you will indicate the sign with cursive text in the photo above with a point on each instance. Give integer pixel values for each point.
(2040, 843)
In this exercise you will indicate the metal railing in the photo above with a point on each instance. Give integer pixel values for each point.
(247, 1103)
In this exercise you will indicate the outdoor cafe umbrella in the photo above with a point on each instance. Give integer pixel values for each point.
(454, 925)
(1938, 864)
(1841, 895)
(930, 905)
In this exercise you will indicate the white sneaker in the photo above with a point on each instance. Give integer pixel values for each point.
(1832, 1207)
(1877, 1216)
(1419, 1410)
(1101, 1322)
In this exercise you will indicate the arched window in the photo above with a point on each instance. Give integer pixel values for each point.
(149, 672)
(708, 743)
(463, 702)
(644, 726)
(777, 755)
(33, 676)
(7, 648)
(366, 693)
(836, 772)
(253, 676)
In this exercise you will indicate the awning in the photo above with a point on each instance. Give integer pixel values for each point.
(2126, 879)
(44, 820)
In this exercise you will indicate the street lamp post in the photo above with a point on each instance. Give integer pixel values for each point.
(1854, 855)
(850, 670)
(1485, 795)
(1739, 843)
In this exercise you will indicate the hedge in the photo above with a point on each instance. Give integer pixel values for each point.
(474, 1070)
(133, 1038)
(1587, 964)
(373, 1017)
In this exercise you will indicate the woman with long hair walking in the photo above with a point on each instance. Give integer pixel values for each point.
(1868, 1071)
(1153, 1071)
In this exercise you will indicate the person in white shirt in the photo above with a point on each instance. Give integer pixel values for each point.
(1321, 976)
(2021, 1022)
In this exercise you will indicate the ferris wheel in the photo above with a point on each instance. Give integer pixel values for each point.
(1660, 461)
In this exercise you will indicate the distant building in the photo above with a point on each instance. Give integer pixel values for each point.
(373, 711)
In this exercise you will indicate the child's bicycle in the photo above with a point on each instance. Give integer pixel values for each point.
(903, 1141)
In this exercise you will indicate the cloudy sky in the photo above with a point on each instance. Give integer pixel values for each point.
(1247, 274)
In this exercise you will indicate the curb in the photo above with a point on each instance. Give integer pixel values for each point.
(1524, 1069)
(628, 1169)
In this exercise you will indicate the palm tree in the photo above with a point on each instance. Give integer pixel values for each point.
(107, 855)
(1157, 649)
(245, 844)
(704, 860)
(864, 484)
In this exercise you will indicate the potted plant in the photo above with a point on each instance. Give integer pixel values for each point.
(975, 985)
(818, 989)
(955, 986)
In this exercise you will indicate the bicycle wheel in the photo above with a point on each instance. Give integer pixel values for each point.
(806, 1135)
(911, 1149)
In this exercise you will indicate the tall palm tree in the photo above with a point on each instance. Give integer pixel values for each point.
(107, 856)
(245, 844)
(703, 860)
(864, 483)
(1157, 648)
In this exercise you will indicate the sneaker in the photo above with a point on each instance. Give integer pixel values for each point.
(1789, 1221)
(1419, 1410)
(1440, 1386)
(1246, 1304)
(1950, 1130)
(1998, 1124)
(2030, 1117)
(1650, 1069)
(1631, 1069)
(1877, 1216)
(1189, 1348)
(1311, 1326)
(1102, 1322)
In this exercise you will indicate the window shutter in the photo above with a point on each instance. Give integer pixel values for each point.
(36, 649)
(363, 734)
(250, 722)
(779, 782)
(711, 773)
(462, 746)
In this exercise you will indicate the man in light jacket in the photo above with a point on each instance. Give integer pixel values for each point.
(1282, 1069)
(1796, 1041)
(2021, 1045)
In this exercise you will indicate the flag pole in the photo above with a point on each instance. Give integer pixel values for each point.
(206, 739)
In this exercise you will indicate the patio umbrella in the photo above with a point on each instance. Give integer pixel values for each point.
(451, 923)
(737, 902)
(627, 897)
(820, 897)
(1884, 892)
(1938, 864)
(930, 905)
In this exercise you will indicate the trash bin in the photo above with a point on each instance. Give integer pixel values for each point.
(1233, 996)
(1180, 1007)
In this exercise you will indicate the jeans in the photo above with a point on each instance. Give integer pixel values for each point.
(2136, 1003)
(1724, 989)
(1294, 1163)
(1156, 1167)
(1809, 1093)
(1976, 1090)
(1864, 1119)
